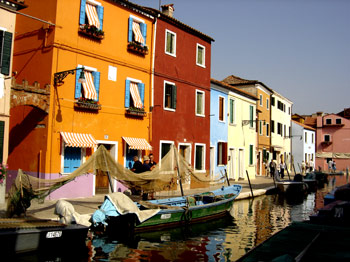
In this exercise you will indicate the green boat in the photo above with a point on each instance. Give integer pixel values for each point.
(119, 213)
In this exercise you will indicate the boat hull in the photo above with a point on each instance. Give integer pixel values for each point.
(20, 237)
(205, 207)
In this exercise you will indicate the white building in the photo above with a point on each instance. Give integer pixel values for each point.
(303, 144)
(281, 117)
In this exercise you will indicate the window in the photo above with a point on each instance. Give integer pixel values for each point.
(305, 158)
(312, 138)
(272, 101)
(289, 110)
(169, 96)
(279, 128)
(199, 103)
(72, 159)
(232, 111)
(91, 88)
(328, 121)
(267, 129)
(221, 108)
(170, 43)
(284, 131)
(91, 13)
(260, 128)
(305, 137)
(222, 153)
(200, 55)
(199, 164)
(137, 31)
(272, 126)
(338, 121)
(134, 93)
(261, 100)
(251, 116)
(165, 148)
(327, 138)
(251, 154)
(5, 52)
(267, 104)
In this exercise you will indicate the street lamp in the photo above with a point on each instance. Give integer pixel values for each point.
(60, 76)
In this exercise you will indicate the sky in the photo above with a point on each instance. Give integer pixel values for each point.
(299, 48)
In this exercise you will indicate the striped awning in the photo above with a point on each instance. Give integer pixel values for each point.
(137, 32)
(89, 87)
(78, 140)
(135, 95)
(137, 143)
(91, 13)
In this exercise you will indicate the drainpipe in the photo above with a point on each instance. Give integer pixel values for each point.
(152, 78)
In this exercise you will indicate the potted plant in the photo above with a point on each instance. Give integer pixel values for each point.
(83, 102)
(92, 31)
(138, 48)
(136, 111)
(3, 173)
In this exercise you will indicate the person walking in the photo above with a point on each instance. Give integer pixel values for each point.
(330, 166)
(272, 166)
(334, 166)
(303, 167)
(282, 168)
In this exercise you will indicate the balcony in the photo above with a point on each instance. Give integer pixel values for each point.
(326, 143)
(91, 32)
(137, 48)
(87, 104)
(138, 112)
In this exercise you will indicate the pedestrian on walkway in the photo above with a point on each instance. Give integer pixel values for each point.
(330, 166)
(303, 167)
(272, 166)
(282, 168)
(334, 166)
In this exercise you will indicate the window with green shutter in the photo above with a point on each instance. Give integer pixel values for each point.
(169, 95)
(250, 154)
(232, 111)
(251, 115)
(2, 132)
(5, 52)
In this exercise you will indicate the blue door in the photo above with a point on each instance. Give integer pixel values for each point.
(72, 159)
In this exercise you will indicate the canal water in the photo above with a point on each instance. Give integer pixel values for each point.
(226, 239)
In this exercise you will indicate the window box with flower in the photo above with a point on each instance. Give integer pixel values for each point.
(136, 111)
(87, 104)
(91, 31)
(138, 48)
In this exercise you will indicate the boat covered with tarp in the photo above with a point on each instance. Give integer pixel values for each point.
(118, 212)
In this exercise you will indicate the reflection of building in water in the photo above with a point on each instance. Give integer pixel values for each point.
(242, 236)
(262, 217)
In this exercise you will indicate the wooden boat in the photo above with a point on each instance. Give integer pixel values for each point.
(292, 187)
(24, 235)
(171, 212)
(321, 177)
(304, 241)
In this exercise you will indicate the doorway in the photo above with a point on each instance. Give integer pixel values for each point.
(101, 179)
(232, 165)
(241, 164)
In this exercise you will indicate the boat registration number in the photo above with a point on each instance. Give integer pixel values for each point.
(165, 216)
(53, 234)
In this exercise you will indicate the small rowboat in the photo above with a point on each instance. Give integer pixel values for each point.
(163, 213)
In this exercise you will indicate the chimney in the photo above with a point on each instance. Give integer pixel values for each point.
(319, 113)
(168, 9)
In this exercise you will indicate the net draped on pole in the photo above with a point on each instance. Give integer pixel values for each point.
(163, 177)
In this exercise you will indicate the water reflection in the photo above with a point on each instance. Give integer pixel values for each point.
(224, 239)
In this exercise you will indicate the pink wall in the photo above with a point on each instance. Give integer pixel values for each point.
(339, 136)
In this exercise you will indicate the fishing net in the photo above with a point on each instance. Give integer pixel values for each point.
(165, 176)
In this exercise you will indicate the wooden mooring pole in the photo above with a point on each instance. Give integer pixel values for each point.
(250, 185)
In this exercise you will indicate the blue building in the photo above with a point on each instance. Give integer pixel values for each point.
(218, 129)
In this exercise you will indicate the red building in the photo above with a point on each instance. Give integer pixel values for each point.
(181, 92)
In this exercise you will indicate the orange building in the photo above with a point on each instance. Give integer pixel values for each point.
(110, 44)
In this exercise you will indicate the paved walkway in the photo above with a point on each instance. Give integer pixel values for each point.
(45, 210)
